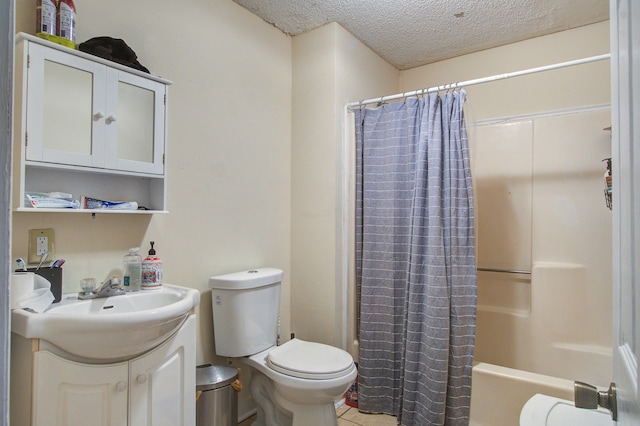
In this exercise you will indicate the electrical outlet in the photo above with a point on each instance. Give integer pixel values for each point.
(42, 245)
(40, 242)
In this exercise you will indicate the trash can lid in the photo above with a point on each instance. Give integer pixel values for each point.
(215, 377)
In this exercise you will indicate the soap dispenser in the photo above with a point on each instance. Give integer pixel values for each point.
(132, 270)
(151, 271)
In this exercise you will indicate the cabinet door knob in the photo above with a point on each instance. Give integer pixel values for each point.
(98, 116)
(121, 386)
(141, 378)
(111, 119)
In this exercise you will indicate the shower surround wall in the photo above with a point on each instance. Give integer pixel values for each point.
(540, 207)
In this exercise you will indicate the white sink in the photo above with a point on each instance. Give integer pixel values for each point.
(112, 328)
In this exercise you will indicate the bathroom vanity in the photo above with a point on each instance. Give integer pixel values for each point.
(120, 360)
(88, 127)
(156, 388)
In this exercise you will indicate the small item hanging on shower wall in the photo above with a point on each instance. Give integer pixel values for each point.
(607, 184)
(608, 188)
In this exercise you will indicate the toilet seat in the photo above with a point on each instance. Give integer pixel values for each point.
(309, 360)
(544, 410)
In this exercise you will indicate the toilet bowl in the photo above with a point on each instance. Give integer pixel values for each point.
(301, 382)
(295, 383)
(544, 410)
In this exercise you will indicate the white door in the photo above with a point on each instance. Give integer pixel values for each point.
(625, 101)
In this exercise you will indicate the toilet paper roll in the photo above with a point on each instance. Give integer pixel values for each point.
(21, 287)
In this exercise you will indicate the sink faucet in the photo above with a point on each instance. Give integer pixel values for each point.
(111, 287)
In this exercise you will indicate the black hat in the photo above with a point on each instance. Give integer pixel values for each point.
(113, 49)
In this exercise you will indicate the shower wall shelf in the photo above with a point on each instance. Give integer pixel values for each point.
(504, 271)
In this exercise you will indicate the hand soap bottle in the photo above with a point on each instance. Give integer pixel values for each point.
(132, 270)
(151, 271)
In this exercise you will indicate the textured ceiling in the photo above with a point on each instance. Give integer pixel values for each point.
(410, 33)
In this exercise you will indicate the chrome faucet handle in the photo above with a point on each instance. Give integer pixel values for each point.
(111, 287)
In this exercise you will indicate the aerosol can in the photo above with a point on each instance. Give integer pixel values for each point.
(67, 20)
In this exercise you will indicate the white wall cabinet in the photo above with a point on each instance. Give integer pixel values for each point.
(88, 126)
(154, 389)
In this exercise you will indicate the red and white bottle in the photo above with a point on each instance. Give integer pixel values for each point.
(151, 270)
(67, 20)
(46, 17)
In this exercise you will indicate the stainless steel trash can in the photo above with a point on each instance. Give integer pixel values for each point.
(218, 403)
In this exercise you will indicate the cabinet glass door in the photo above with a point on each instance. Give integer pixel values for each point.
(67, 121)
(64, 116)
(135, 123)
(135, 128)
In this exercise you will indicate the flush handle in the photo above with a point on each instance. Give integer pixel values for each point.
(588, 396)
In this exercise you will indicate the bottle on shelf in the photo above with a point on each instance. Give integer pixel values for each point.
(46, 17)
(67, 20)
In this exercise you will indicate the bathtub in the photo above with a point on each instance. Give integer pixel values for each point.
(537, 334)
(498, 393)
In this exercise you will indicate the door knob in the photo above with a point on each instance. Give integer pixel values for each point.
(588, 396)
(121, 386)
(141, 378)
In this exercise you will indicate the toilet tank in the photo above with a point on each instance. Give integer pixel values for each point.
(245, 311)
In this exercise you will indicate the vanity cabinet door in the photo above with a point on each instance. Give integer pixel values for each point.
(162, 391)
(65, 108)
(67, 393)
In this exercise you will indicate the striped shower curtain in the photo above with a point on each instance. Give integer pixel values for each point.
(415, 260)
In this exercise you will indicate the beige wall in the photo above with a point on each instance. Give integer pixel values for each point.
(229, 137)
(552, 90)
(330, 68)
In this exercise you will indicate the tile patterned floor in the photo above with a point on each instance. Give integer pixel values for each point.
(349, 416)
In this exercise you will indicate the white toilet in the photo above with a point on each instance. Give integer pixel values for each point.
(544, 410)
(292, 384)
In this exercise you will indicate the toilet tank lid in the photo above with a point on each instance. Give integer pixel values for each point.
(251, 278)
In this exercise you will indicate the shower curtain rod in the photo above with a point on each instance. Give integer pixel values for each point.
(460, 84)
